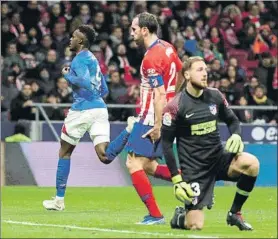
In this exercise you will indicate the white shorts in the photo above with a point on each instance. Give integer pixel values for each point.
(93, 121)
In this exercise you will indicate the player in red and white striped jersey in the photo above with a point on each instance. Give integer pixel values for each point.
(159, 70)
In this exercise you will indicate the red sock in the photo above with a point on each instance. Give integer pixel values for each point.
(144, 189)
(163, 172)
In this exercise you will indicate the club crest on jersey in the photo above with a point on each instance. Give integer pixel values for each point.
(213, 109)
(167, 119)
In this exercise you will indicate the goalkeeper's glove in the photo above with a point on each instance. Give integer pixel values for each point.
(234, 144)
(182, 190)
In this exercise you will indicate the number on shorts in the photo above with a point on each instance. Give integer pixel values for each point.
(196, 188)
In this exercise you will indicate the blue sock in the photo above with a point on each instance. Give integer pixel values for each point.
(62, 175)
(117, 145)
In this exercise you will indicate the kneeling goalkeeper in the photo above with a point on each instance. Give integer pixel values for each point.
(191, 117)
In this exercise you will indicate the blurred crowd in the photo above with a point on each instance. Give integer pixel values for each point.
(237, 40)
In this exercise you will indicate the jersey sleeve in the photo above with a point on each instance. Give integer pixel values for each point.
(79, 75)
(169, 133)
(153, 71)
(227, 115)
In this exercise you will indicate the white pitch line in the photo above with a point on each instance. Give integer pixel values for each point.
(105, 229)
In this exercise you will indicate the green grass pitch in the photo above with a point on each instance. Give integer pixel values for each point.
(112, 212)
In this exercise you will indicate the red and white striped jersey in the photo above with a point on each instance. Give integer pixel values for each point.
(159, 67)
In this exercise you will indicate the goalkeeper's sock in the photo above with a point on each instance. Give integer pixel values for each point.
(62, 175)
(245, 185)
(117, 145)
(143, 187)
(163, 172)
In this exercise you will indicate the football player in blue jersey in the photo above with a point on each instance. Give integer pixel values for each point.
(88, 112)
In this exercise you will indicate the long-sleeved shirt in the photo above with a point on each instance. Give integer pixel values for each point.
(87, 81)
(193, 122)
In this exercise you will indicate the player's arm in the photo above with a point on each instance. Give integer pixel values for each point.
(168, 135)
(234, 143)
(182, 190)
(154, 75)
(103, 87)
(78, 75)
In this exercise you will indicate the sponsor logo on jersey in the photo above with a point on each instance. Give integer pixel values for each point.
(167, 119)
(203, 128)
(213, 109)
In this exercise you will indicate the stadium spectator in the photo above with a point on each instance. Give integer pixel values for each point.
(62, 91)
(21, 106)
(19, 135)
(12, 57)
(121, 60)
(54, 113)
(83, 18)
(260, 98)
(247, 28)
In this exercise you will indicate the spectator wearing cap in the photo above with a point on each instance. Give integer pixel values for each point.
(103, 41)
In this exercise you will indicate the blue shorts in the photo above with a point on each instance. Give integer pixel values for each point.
(143, 146)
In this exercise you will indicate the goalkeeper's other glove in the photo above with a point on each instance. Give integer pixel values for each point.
(234, 144)
(182, 190)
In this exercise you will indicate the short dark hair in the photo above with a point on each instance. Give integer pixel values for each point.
(149, 21)
(19, 129)
(89, 33)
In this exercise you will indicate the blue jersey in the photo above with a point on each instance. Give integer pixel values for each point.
(88, 83)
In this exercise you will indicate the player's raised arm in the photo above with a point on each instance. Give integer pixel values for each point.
(234, 143)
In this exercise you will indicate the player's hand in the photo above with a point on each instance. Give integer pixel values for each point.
(234, 144)
(154, 133)
(182, 190)
(65, 70)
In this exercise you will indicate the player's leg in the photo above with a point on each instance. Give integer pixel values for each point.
(191, 217)
(141, 182)
(153, 168)
(73, 129)
(187, 219)
(245, 168)
(100, 134)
